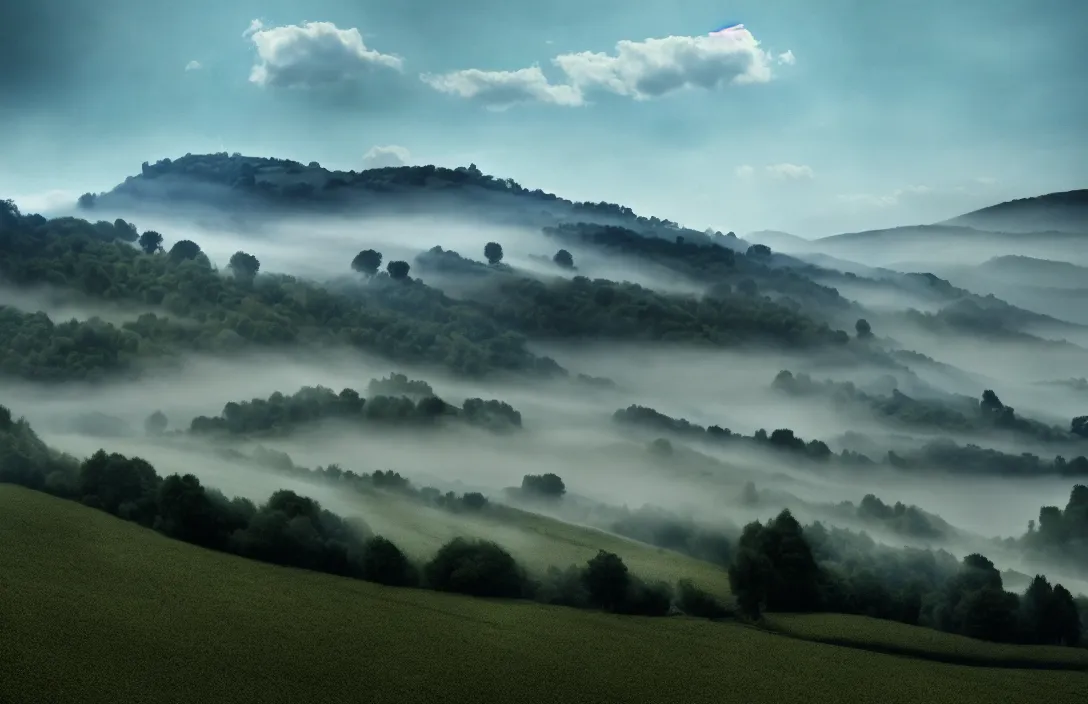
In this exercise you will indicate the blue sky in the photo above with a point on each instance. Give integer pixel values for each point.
(883, 113)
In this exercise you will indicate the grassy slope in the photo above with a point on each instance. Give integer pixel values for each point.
(891, 637)
(537, 541)
(95, 609)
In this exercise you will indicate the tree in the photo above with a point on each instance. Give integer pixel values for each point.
(475, 567)
(243, 265)
(126, 231)
(156, 423)
(87, 201)
(493, 252)
(398, 270)
(184, 250)
(864, 330)
(367, 262)
(564, 259)
(748, 287)
(758, 251)
(384, 563)
(1079, 426)
(607, 580)
(151, 242)
(544, 485)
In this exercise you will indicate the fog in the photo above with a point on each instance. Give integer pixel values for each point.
(321, 247)
(568, 427)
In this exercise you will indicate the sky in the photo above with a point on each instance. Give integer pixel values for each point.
(823, 117)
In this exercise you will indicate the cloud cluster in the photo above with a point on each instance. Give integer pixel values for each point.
(319, 53)
(311, 55)
(499, 90)
(779, 172)
(193, 65)
(382, 156)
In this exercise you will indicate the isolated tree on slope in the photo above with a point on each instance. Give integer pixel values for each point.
(863, 329)
(244, 265)
(151, 242)
(493, 252)
(398, 270)
(184, 249)
(156, 423)
(564, 259)
(367, 262)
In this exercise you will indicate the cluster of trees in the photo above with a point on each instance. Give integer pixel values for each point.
(955, 414)
(1062, 534)
(282, 413)
(287, 183)
(222, 313)
(779, 566)
(412, 323)
(780, 439)
(988, 317)
(294, 530)
(709, 261)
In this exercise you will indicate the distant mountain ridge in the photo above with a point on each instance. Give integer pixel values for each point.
(1066, 211)
(253, 186)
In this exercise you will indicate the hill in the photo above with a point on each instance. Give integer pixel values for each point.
(1062, 212)
(254, 187)
(899, 247)
(164, 621)
(1030, 271)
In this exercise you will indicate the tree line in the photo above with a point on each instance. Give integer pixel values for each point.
(293, 530)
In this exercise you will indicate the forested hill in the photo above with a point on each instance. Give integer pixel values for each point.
(245, 183)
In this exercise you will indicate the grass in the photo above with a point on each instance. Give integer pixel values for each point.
(537, 541)
(93, 609)
(891, 637)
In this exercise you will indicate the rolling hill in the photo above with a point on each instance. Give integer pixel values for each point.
(1060, 212)
(101, 610)
(250, 188)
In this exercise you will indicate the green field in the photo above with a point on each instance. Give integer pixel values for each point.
(892, 637)
(93, 609)
(537, 541)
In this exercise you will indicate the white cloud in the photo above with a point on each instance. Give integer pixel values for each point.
(193, 66)
(499, 90)
(792, 172)
(387, 155)
(884, 200)
(986, 180)
(656, 67)
(779, 172)
(787, 58)
(641, 70)
(313, 54)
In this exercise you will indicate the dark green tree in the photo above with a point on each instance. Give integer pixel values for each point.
(607, 581)
(151, 242)
(244, 265)
(184, 250)
(564, 259)
(398, 270)
(493, 252)
(367, 262)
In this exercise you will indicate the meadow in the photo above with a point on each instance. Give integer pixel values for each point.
(898, 638)
(95, 609)
(537, 541)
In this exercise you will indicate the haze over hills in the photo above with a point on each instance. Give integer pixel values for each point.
(1053, 212)
(431, 359)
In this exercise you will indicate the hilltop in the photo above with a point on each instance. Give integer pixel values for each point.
(1060, 212)
(249, 186)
